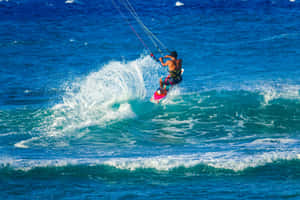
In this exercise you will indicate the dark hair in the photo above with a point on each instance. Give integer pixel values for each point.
(173, 54)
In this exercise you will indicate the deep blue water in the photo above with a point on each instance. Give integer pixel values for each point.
(76, 121)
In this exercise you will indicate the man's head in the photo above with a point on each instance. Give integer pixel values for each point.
(173, 54)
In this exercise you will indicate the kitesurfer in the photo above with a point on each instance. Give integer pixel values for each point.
(174, 66)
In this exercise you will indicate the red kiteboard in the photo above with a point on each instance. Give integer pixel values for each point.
(157, 96)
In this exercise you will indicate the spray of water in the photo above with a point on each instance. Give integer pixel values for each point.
(104, 96)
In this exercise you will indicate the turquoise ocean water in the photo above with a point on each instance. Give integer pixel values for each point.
(76, 121)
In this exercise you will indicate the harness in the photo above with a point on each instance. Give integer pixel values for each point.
(176, 73)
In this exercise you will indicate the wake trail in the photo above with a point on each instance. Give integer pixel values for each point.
(92, 101)
(101, 98)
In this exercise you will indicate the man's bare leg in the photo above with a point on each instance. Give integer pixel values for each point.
(162, 89)
(161, 83)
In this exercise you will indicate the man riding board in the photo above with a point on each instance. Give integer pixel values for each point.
(174, 77)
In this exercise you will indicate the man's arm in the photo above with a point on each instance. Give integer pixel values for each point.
(162, 62)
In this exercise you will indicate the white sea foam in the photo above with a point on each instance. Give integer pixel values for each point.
(73, 1)
(103, 96)
(174, 125)
(272, 141)
(173, 97)
(69, 1)
(272, 90)
(9, 133)
(23, 143)
(178, 3)
(222, 160)
(284, 91)
(280, 36)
